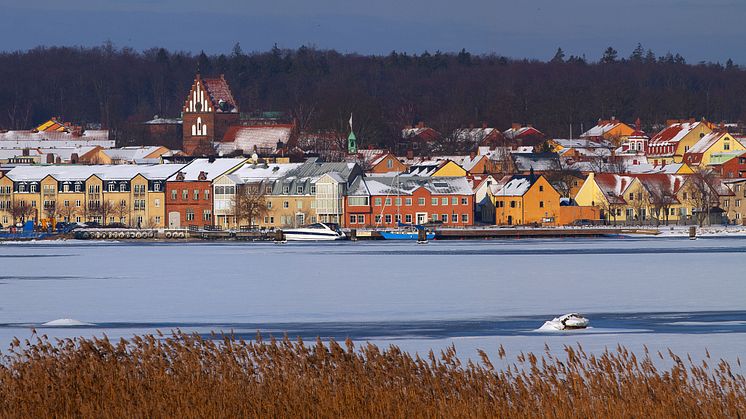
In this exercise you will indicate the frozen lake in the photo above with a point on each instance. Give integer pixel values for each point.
(663, 292)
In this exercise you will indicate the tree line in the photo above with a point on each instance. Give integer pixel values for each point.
(320, 88)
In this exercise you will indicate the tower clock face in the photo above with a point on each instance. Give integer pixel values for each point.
(198, 106)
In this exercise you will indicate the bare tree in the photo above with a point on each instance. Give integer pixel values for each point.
(103, 209)
(68, 212)
(562, 176)
(20, 211)
(661, 200)
(249, 202)
(703, 193)
(123, 212)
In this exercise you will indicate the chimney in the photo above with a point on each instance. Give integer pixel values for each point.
(25, 152)
(421, 124)
(472, 155)
(50, 158)
(74, 158)
(515, 125)
(410, 154)
(484, 125)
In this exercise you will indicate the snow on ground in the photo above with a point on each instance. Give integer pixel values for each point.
(132, 288)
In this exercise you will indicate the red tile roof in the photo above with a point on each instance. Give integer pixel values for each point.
(218, 90)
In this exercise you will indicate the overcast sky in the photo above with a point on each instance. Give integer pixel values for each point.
(710, 30)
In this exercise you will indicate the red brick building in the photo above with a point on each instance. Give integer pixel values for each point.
(189, 200)
(208, 112)
(384, 201)
(733, 168)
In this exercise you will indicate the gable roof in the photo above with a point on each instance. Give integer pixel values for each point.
(602, 128)
(211, 167)
(220, 93)
(407, 185)
(262, 138)
(674, 133)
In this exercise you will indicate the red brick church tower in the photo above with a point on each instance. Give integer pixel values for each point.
(208, 112)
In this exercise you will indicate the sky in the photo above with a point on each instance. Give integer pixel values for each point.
(700, 30)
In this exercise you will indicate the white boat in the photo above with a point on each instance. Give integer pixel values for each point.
(569, 321)
(314, 232)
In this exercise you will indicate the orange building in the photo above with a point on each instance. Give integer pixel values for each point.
(525, 199)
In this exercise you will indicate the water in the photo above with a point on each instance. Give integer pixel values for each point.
(660, 292)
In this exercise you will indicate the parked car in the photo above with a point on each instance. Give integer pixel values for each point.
(582, 222)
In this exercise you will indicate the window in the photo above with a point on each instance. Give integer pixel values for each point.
(286, 189)
(398, 218)
(408, 202)
(286, 204)
(421, 202)
(378, 219)
(408, 218)
(454, 201)
(207, 215)
(631, 196)
(726, 146)
(189, 214)
(444, 218)
(444, 201)
(77, 203)
(157, 203)
(541, 204)
(21, 188)
(269, 204)
(629, 213)
(158, 219)
(388, 201)
(726, 203)
(358, 201)
(378, 202)
(464, 201)
(157, 187)
(454, 218)
(300, 204)
(66, 203)
(738, 202)
(389, 164)
(541, 188)
(299, 189)
(33, 188)
(196, 194)
(184, 194)
(111, 187)
(512, 204)
(122, 187)
(398, 202)
(77, 187)
(313, 189)
(173, 195)
(434, 217)
(684, 195)
(465, 218)
(360, 219)
(353, 219)
(388, 218)
(434, 201)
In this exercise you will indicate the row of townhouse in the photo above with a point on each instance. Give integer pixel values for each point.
(132, 195)
(661, 198)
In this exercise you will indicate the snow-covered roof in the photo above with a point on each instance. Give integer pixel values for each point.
(537, 161)
(601, 129)
(706, 142)
(105, 172)
(133, 153)
(260, 138)
(643, 168)
(164, 121)
(250, 172)
(519, 132)
(674, 133)
(516, 185)
(56, 139)
(211, 167)
(406, 185)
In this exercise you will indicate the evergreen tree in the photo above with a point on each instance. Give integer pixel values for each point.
(559, 56)
(649, 57)
(610, 56)
(464, 57)
(729, 64)
(637, 54)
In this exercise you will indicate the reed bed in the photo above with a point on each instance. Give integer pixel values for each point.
(189, 376)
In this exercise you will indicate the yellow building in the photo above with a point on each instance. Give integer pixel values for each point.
(716, 142)
(524, 199)
(610, 130)
(131, 195)
(670, 145)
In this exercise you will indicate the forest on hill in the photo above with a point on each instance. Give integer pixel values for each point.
(320, 88)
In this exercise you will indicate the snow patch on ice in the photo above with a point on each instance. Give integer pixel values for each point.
(67, 323)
